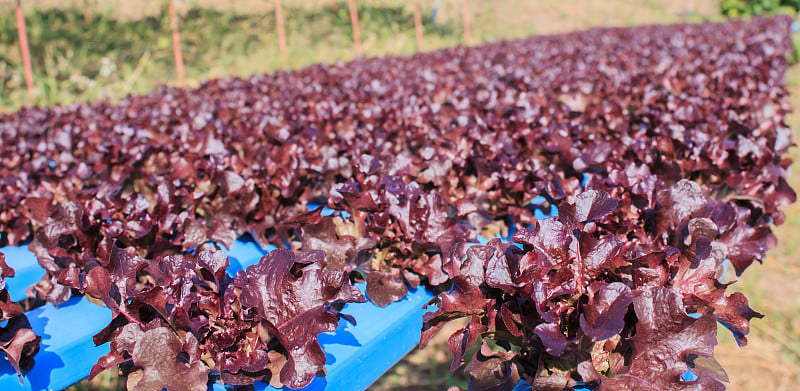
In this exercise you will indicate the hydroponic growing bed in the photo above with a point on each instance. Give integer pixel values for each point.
(662, 149)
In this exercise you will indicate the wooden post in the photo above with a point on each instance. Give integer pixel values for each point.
(281, 31)
(354, 22)
(87, 12)
(418, 24)
(23, 46)
(176, 45)
(465, 20)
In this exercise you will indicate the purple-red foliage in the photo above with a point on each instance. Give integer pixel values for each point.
(17, 339)
(678, 132)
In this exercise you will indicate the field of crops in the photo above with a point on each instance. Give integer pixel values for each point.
(125, 47)
(662, 148)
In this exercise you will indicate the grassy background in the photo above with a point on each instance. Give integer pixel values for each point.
(126, 48)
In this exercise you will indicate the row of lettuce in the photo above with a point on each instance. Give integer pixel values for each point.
(662, 147)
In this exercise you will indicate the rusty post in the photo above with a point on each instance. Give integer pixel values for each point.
(418, 24)
(354, 22)
(465, 19)
(281, 31)
(176, 44)
(87, 12)
(23, 46)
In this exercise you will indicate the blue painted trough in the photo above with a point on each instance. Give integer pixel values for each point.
(380, 339)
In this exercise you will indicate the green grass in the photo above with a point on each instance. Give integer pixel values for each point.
(110, 57)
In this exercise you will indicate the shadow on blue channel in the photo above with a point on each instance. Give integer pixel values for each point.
(380, 339)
